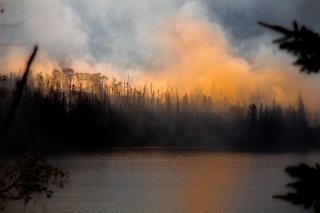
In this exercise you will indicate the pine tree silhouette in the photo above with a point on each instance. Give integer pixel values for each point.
(305, 45)
(302, 43)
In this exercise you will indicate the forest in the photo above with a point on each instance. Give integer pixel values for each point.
(71, 111)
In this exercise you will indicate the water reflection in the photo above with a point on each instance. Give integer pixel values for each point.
(172, 181)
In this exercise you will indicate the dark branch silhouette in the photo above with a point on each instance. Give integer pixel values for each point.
(29, 176)
(19, 91)
(305, 44)
(306, 190)
(302, 43)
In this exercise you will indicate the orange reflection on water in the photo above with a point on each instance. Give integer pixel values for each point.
(208, 189)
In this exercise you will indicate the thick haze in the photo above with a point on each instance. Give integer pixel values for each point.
(215, 44)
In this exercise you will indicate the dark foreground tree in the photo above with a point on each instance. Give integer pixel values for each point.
(302, 43)
(305, 45)
(306, 189)
(29, 176)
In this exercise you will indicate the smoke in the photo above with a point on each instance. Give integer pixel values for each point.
(197, 55)
(176, 44)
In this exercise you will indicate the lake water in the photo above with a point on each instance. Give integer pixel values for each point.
(171, 181)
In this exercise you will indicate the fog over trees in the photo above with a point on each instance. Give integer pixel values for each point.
(71, 111)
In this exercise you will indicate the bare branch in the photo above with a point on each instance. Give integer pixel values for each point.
(19, 91)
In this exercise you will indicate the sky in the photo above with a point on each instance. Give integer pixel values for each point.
(212, 44)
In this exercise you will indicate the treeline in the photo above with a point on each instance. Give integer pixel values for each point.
(70, 111)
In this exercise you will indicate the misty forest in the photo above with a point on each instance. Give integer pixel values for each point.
(71, 110)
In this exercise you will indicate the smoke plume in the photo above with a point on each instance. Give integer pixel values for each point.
(181, 45)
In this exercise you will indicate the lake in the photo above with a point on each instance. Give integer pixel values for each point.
(158, 180)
